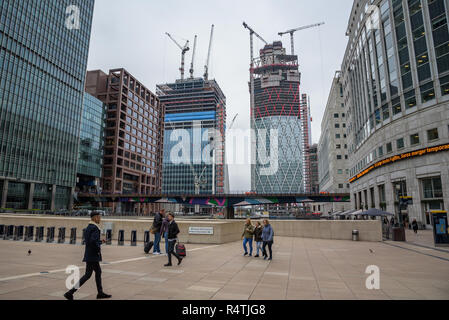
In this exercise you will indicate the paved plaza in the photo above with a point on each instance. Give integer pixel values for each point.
(301, 269)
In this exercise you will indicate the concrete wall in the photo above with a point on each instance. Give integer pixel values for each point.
(224, 230)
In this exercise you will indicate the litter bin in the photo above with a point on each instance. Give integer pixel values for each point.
(398, 233)
(355, 235)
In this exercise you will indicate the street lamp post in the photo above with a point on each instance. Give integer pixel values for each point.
(399, 226)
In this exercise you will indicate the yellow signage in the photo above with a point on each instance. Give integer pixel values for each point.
(403, 156)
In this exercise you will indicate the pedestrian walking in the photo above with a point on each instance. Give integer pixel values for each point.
(267, 237)
(247, 237)
(92, 257)
(156, 230)
(386, 226)
(415, 226)
(173, 231)
(258, 238)
(164, 233)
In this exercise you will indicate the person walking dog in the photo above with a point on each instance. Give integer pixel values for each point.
(173, 231)
(247, 237)
(258, 238)
(267, 237)
(92, 257)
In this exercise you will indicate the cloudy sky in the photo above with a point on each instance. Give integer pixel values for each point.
(131, 34)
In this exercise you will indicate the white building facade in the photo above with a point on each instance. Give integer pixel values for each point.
(333, 162)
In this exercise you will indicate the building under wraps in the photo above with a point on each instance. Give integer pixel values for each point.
(194, 141)
(278, 106)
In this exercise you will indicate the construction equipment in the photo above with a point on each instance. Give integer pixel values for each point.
(193, 58)
(292, 31)
(183, 50)
(232, 122)
(206, 67)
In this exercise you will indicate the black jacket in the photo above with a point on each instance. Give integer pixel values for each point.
(157, 222)
(173, 230)
(258, 234)
(92, 252)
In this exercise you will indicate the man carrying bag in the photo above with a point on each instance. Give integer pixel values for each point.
(173, 231)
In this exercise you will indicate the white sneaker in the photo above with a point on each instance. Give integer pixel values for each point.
(157, 253)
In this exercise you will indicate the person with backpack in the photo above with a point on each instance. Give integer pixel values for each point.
(156, 230)
(172, 235)
(247, 237)
(267, 237)
(92, 257)
(258, 238)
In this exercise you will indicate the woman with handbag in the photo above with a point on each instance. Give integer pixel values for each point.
(173, 231)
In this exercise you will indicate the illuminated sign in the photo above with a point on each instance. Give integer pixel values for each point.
(403, 156)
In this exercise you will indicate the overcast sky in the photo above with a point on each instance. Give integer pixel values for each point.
(131, 34)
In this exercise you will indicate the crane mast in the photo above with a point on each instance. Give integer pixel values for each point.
(193, 58)
(183, 53)
(206, 67)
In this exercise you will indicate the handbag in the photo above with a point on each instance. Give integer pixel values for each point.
(180, 249)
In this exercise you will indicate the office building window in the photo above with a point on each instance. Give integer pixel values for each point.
(381, 151)
(427, 92)
(432, 134)
(414, 139)
(389, 147)
(400, 143)
(432, 188)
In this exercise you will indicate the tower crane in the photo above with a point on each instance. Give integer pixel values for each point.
(193, 58)
(232, 122)
(183, 50)
(292, 31)
(206, 67)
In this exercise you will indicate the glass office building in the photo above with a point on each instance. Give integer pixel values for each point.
(43, 59)
(90, 160)
(395, 76)
(194, 138)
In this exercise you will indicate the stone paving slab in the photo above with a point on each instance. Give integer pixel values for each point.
(301, 269)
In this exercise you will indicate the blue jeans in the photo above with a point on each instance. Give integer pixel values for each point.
(259, 247)
(157, 240)
(166, 241)
(245, 241)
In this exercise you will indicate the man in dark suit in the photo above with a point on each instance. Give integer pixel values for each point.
(173, 231)
(92, 257)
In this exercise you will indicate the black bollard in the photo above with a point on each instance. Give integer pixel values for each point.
(133, 238)
(18, 233)
(73, 236)
(109, 237)
(10, 232)
(50, 234)
(121, 237)
(29, 232)
(83, 242)
(2, 230)
(146, 237)
(39, 234)
(61, 235)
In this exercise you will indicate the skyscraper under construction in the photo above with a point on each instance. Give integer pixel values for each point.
(279, 167)
(195, 112)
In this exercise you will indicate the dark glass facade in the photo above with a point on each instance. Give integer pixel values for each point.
(42, 73)
(90, 160)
